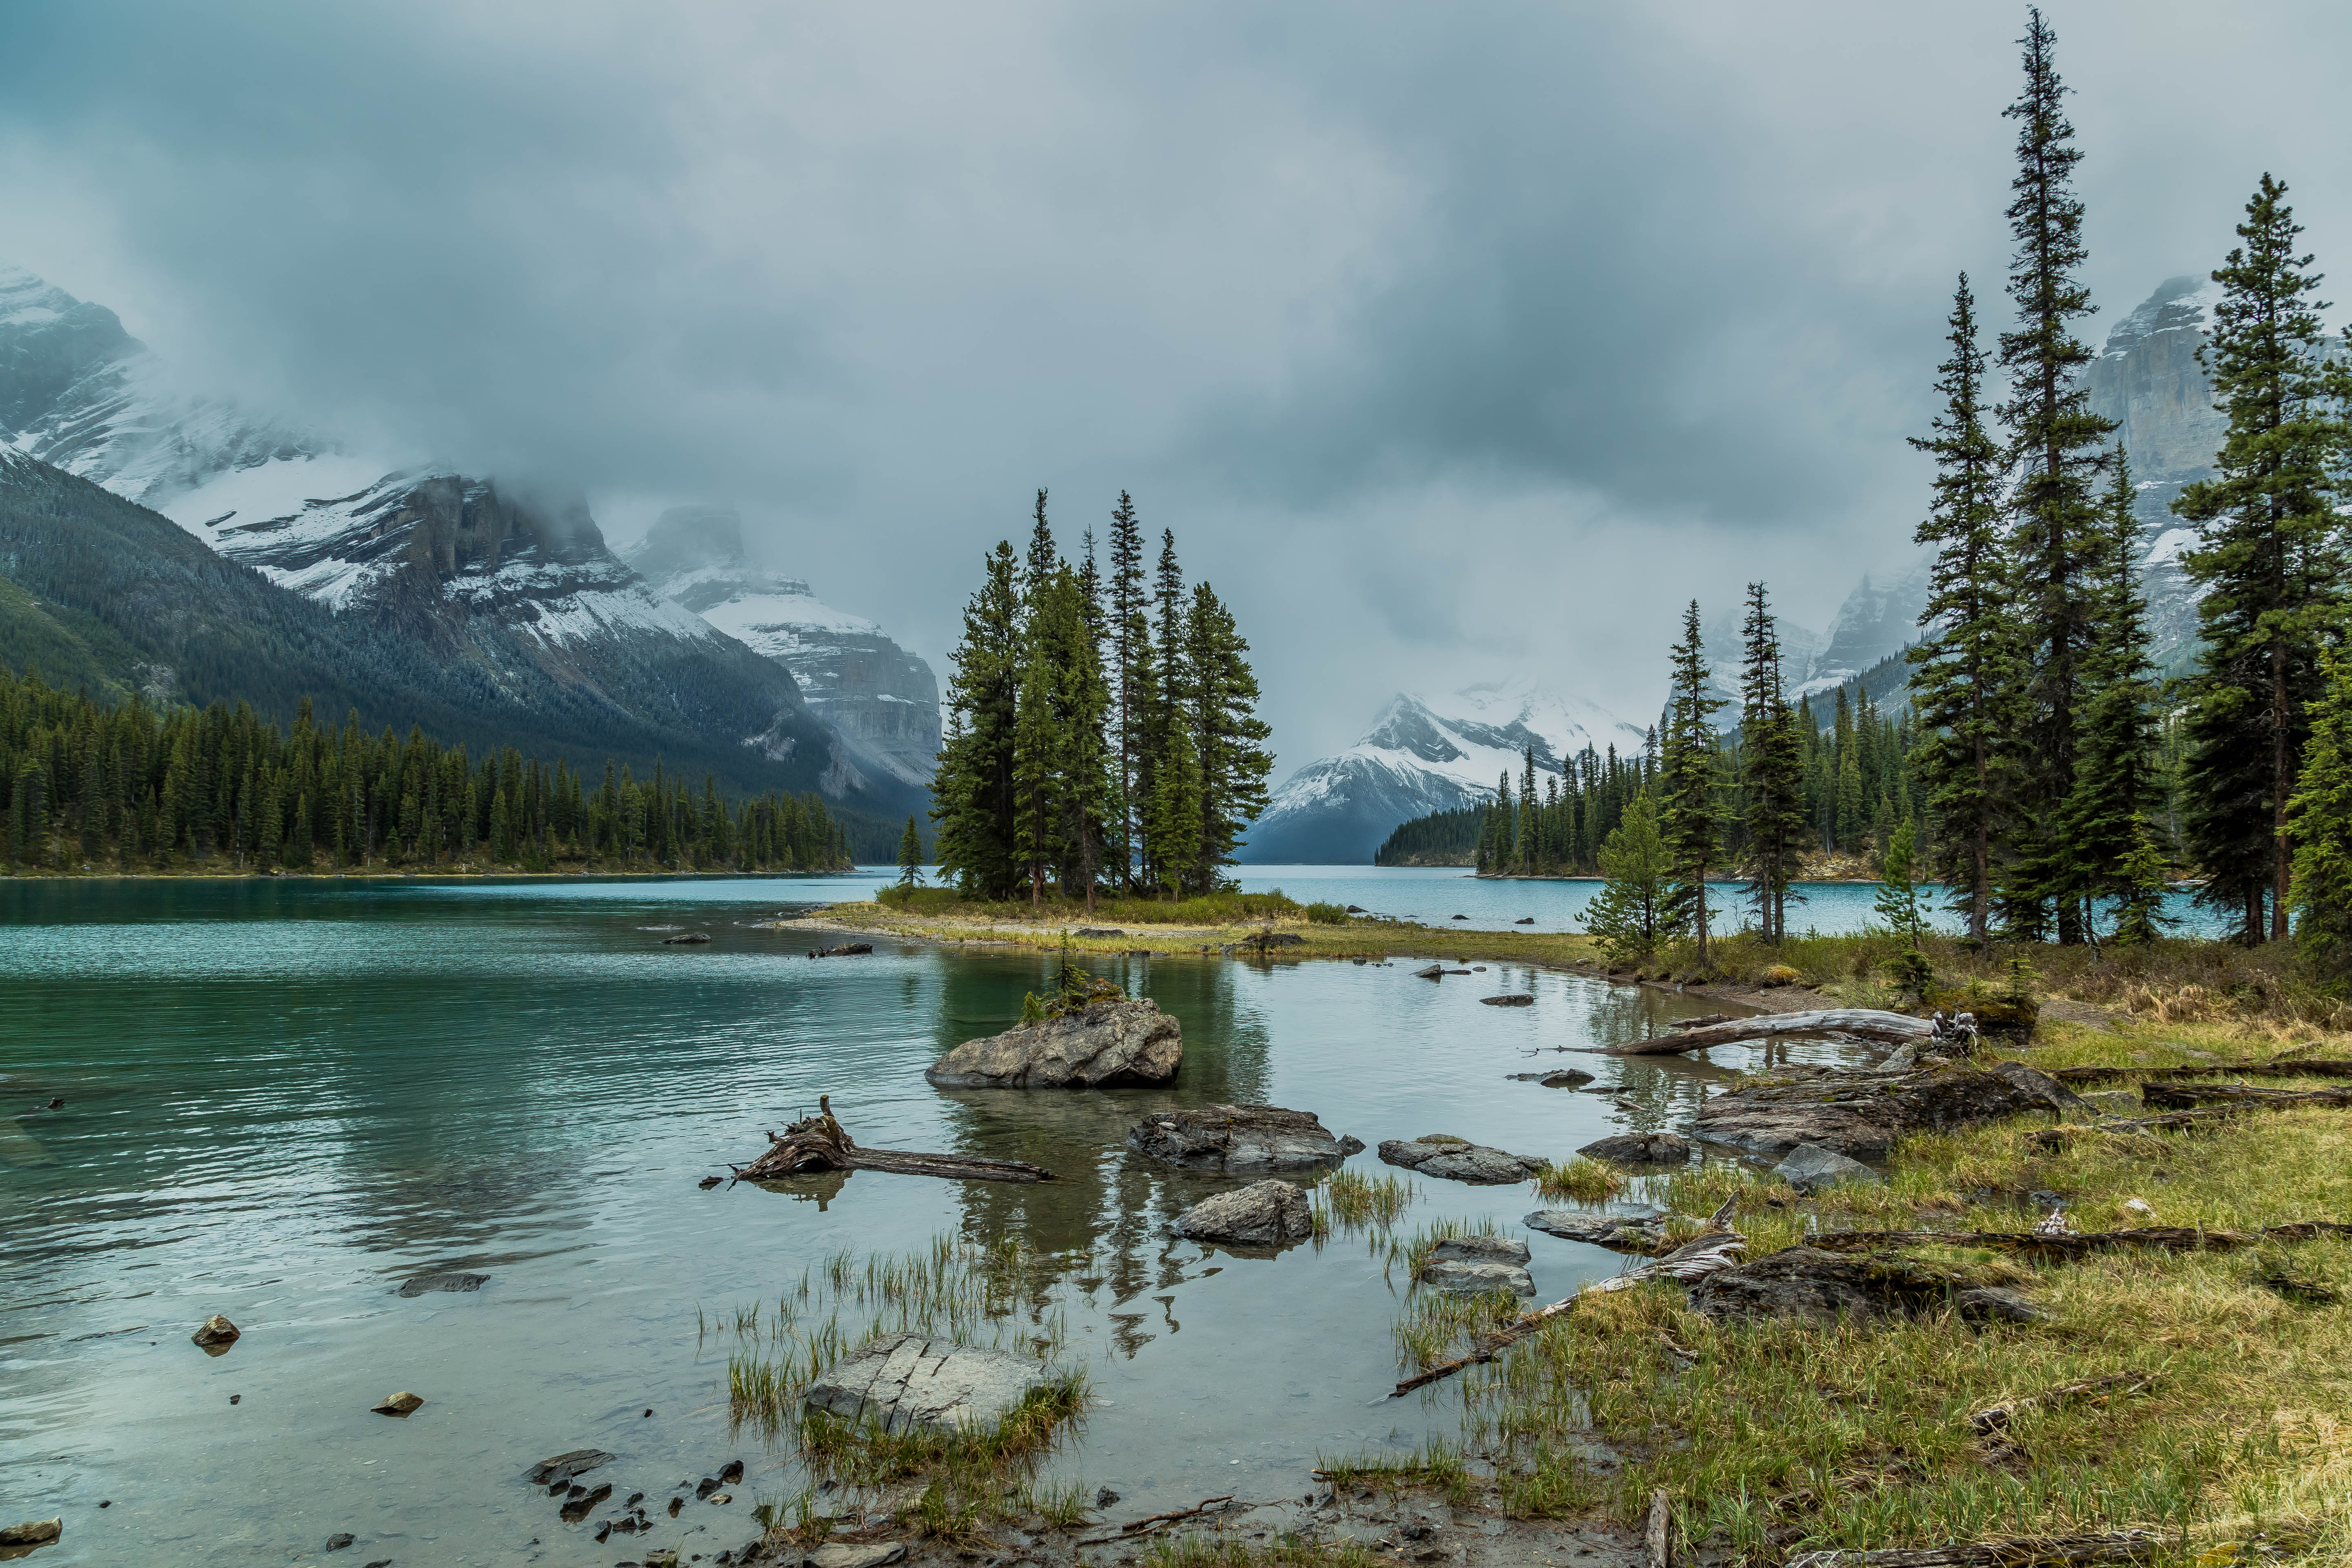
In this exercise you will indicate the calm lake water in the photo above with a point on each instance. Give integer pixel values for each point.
(280, 1100)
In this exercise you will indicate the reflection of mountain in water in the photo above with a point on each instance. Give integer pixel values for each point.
(1108, 1204)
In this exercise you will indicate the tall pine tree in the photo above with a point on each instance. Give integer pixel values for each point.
(1689, 778)
(1130, 665)
(2271, 563)
(2116, 780)
(1771, 771)
(1230, 736)
(972, 788)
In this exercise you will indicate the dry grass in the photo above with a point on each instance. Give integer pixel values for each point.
(1586, 1180)
(1774, 1436)
(1351, 1201)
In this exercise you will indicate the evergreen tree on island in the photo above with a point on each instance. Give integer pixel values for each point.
(2271, 563)
(2115, 778)
(1771, 771)
(910, 856)
(2058, 447)
(1690, 779)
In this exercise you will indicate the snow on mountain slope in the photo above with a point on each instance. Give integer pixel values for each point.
(1424, 754)
(884, 700)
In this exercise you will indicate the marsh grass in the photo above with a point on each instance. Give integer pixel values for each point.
(1410, 1252)
(1585, 1180)
(1351, 1201)
(1201, 1549)
(1437, 1464)
(1777, 1436)
(964, 1477)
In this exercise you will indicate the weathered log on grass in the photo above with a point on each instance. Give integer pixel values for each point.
(2066, 1246)
(2030, 1552)
(820, 1143)
(1692, 1260)
(2219, 1070)
(1868, 1023)
(1996, 1418)
(2190, 1096)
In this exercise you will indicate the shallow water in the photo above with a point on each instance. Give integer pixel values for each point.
(281, 1099)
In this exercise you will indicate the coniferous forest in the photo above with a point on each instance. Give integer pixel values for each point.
(1102, 729)
(2033, 764)
(90, 787)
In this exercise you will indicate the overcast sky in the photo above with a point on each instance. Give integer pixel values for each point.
(1455, 342)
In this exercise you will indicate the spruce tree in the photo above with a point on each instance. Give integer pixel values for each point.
(1082, 705)
(910, 856)
(1171, 695)
(1771, 771)
(2320, 815)
(2272, 564)
(1964, 675)
(1635, 910)
(973, 789)
(2057, 445)
(1689, 775)
(1230, 736)
(2116, 779)
(1131, 664)
(1038, 741)
(1174, 830)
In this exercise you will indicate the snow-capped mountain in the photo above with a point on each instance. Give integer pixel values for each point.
(1424, 754)
(514, 594)
(884, 700)
(1875, 622)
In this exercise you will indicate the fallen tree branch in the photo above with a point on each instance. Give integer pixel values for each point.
(2053, 1137)
(1889, 1028)
(820, 1143)
(2219, 1070)
(1692, 1260)
(2063, 1244)
(2031, 1551)
(1136, 1527)
(1658, 1536)
(2189, 1096)
(1996, 1418)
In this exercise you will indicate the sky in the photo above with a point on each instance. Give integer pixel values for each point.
(1454, 343)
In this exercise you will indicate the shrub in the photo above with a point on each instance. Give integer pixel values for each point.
(1327, 914)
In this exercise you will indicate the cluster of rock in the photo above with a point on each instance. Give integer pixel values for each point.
(1104, 1045)
(1228, 1138)
(1459, 1160)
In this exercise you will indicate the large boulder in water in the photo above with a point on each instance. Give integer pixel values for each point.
(1264, 1214)
(1861, 1114)
(1476, 1265)
(1238, 1138)
(1459, 1160)
(909, 1382)
(1098, 1046)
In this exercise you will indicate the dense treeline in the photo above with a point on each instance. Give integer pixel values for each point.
(1101, 731)
(88, 786)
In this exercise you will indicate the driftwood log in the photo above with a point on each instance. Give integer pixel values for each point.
(2219, 1070)
(1889, 1028)
(820, 1143)
(1996, 1418)
(1692, 1260)
(2064, 1245)
(2189, 1096)
(2031, 1551)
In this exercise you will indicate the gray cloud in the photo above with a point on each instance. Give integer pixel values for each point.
(1450, 340)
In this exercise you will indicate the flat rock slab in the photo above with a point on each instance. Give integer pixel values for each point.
(564, 1467)
(32, 1531)
(1559, 1078)
(1618, 1232)
(1808, 1282)
(903, 1382)
(1475, 1265)
(1229, 1138)
(847, 1555)
(1861, 1114)
(1639, 1149)
(1264, 1214)
(1107, 1044)
(1459, 1160)
(1514, 999)
(450, 1280)
(1809, 1165)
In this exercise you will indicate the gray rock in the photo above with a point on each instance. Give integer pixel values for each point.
(1809, 1282)
(564, 1467)
(1475, 1265)
(1459, 1160)
(216, 1333)
(1107, 1043)
(1100, 930)
(905, 1381)
(451, 1280)
(1238, 1138)
(1618, 1232)
(1559, 1078)
(687, 939)
(1994, 1303)
(1809, 1166)
(1905, 1058)
(32, 1532)
(1515, 999)
(1861, 1114)
(1264, 1214)
(1639, 1149)
(1435, 972)
(847, 1555)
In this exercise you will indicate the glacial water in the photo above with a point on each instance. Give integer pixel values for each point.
(282, 1099)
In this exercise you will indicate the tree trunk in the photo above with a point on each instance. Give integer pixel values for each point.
(2282, 783)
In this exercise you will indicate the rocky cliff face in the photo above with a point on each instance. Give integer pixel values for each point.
(883, 700)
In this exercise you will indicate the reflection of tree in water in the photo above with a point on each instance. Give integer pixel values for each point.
(1107, 1205)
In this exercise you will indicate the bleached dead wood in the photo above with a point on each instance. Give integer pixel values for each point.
(2070, 1245)
(1996, 1418)
(820, 1143)
(1868, 1023)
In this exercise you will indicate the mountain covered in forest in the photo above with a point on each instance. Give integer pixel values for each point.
(494, 608)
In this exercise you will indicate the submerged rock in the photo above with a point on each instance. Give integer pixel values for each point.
(401, 1404)
(447, 1280)
(1459, 1160)
(1518, 999)
(1626, 1232)
(564, 1467)
(1264, 1214)
(1639, 1149)
(32, 1532)
(216, 1333)
(1559, 1078)
(905, 1381)
(1107, 1042)
(687, 939)
(846, 950)
(1809, 1165)
(1238, 1138)
(1861, 1114)
(1475, 1265)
